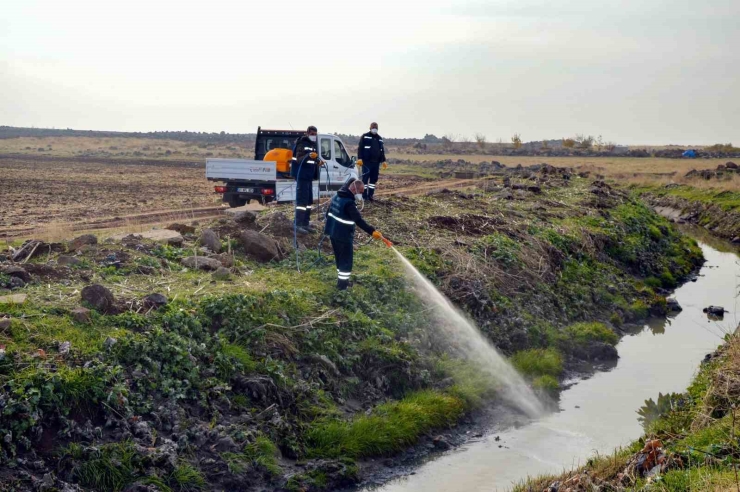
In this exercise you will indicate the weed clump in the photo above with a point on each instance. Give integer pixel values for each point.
(391, 426)
(539, 362)
(585, 333)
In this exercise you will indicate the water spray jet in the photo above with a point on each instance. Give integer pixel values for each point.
(462, 333)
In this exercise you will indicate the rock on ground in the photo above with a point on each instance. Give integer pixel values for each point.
(259, 246)
(99, 297)
(181, 228)
(79, 242)
(65, 260)
(81, 315)
(156, 235)
(245, 217)
(222, 274)
(13, 299)
(201, 262)
(715, 311)
(155, 301)
(600, 351)
(210, 240)
(673, 306)
(277, 224)
(16, 283)
(226, 259)
(18, 272)
(176, 241)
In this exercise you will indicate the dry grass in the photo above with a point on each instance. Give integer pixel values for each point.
(723, 392)
(628, 170)
(118, 147)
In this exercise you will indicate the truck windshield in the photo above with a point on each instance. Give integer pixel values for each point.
(326, 149)
(340, 155)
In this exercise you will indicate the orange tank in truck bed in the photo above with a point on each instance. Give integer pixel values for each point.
(282, 157)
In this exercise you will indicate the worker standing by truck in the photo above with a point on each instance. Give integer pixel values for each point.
(341, 219)
(370, 157)
(303, 168)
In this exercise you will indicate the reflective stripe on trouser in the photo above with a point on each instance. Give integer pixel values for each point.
(370, 173)
(303, 201)
(343, 256)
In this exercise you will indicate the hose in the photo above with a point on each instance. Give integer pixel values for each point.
(295, 225)
(295, 219)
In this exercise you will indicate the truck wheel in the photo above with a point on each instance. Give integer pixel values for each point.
(238, 202)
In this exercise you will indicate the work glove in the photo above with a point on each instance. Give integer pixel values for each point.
(359, 163)
(385, 166)
(313, 155)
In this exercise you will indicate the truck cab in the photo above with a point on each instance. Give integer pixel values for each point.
(265, 181)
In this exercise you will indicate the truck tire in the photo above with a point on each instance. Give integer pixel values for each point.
(238, 202)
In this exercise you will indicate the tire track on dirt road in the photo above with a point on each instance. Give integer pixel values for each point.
(152, 217)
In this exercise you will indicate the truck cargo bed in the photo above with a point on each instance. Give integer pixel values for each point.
(240, 170)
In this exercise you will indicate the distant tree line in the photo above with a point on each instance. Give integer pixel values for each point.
(184, 136)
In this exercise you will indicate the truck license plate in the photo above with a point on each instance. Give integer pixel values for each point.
(245, 190)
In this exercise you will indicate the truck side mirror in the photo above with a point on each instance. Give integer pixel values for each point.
(354, 159)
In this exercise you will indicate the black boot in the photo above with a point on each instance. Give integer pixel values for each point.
(342, 284)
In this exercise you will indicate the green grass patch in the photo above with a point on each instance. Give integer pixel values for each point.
(538, 362)
(499, 247)
(585, 333)
(727, 200)
(187, 478)
(391, 427)
(546, 383)
(263, 453)
(109, 467)
(472, 385)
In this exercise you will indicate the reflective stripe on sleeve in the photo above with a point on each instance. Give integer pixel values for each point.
(348, 222)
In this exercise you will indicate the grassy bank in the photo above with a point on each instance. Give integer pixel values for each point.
(709, 205)
(272, 379)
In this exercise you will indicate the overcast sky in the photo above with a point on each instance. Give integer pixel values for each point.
(634, 71)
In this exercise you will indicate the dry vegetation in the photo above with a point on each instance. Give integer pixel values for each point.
(122, 148)
(628, 170)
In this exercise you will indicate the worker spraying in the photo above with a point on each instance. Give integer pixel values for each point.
(341, 219)
(303, 168)
(370, 158)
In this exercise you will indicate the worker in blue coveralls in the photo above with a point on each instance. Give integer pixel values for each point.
(370, 158)
(341, 219)
(303, 169)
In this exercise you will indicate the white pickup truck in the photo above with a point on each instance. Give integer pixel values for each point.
(245, 180)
